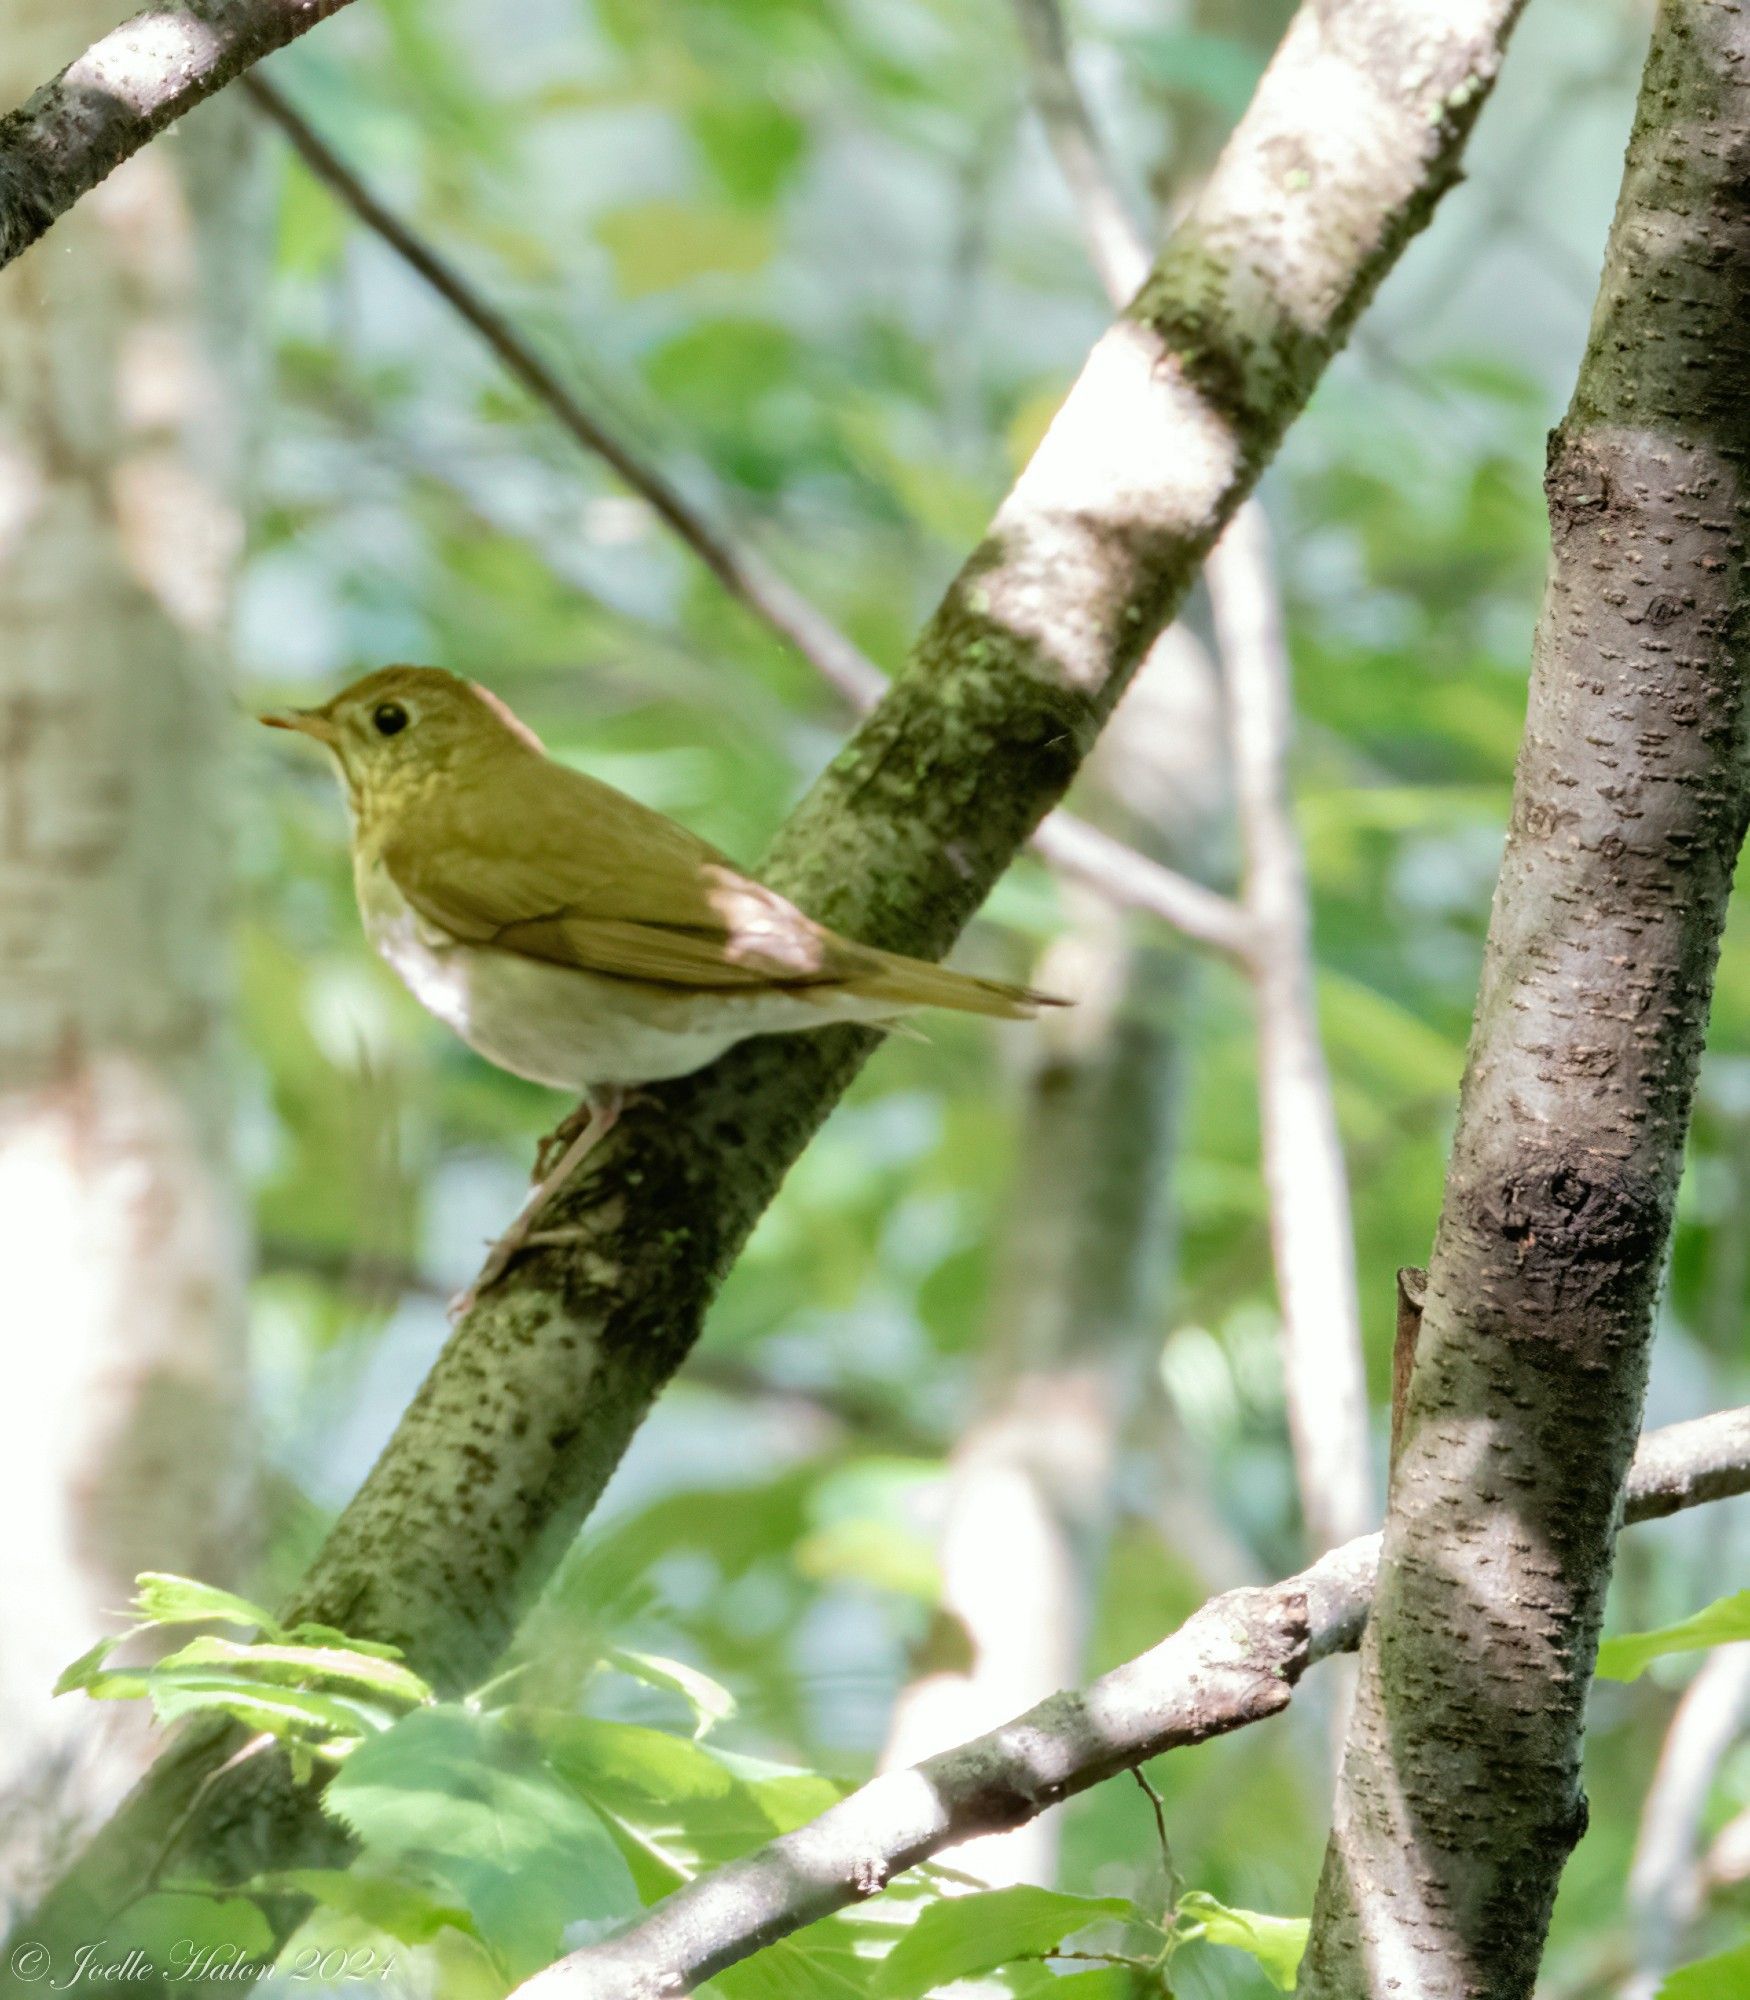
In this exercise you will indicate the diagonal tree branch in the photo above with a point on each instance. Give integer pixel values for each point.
(513, 1435)
(1234, 1662)
(124, 90)
(1460, 1799)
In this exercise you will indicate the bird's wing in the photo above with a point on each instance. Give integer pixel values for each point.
(605, 885)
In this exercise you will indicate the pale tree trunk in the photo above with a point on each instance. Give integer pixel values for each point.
(1083, 1256)
(121, 1370)
(1460, 1798)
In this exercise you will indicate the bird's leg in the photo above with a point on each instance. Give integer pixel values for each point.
(576, 1136)
(553, 1145)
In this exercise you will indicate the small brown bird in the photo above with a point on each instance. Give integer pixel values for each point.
(568, 933)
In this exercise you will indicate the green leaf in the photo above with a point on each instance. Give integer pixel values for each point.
(1277, 1943)
(709, 1700)
(335, 1722)
(752, 145)
(163, 1599)
(388, 1903)
(1627, 1657)
(468, 1801)
(656, 245)
(285, 1663)
(1725, 1976)
(674, 1808)
(87, 1669)
(175, 1930)
(957, 1936)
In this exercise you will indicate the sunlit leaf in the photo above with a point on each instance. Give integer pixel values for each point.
(709, 1700)
(1627, 1657)
(162, 1599)
(468, 1802)
(1277, 1943)
(1725, 1976)
(957, 1936)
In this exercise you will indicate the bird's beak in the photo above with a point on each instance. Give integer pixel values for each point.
(306, 721)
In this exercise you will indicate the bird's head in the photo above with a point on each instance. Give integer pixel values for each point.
(402, 729)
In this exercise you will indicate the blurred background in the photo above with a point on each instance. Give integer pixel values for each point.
(997, 1395)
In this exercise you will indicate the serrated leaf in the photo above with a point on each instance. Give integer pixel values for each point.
(957, 1936)
(334, 1721)
(469, 1802)
(328, 1635)
(1627, 1657)
(1277, 1943)
(87, 1669)
(709, 1700)
(163, 1599)
(291, 1664)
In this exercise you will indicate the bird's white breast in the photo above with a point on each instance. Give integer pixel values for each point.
(554, 1024)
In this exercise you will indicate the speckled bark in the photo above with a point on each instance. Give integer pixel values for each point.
(1460, 1798)
(1354, 133)
(124, 90)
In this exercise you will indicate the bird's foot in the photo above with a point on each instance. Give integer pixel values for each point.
(581, 1136)
(611, 1101)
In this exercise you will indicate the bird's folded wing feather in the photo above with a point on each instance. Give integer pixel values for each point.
(604, 885)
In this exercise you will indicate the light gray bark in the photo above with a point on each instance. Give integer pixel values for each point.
(1234, 1662)
(122, 1425)
(124, 90)
(513, 1435)
(1460, 1798)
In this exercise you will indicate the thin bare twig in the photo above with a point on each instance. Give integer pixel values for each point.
(1234, 1662)
(1311, 1232)
(1114, 244)
(742, 572)
(1130, 878)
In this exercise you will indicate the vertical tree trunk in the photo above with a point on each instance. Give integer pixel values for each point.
(121, 1369)
(1460, 1798)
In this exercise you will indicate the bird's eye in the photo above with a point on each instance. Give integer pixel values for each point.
(388, 718)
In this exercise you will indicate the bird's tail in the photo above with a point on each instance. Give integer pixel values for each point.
(912, 982)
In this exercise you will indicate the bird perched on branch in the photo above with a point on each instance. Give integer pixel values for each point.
(568, 933)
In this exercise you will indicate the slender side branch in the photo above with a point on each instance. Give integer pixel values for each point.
(1116, 247)
(513, 1435)
(743, 573)
(125, 89)
(1311, 1231)
(1234, 1662)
